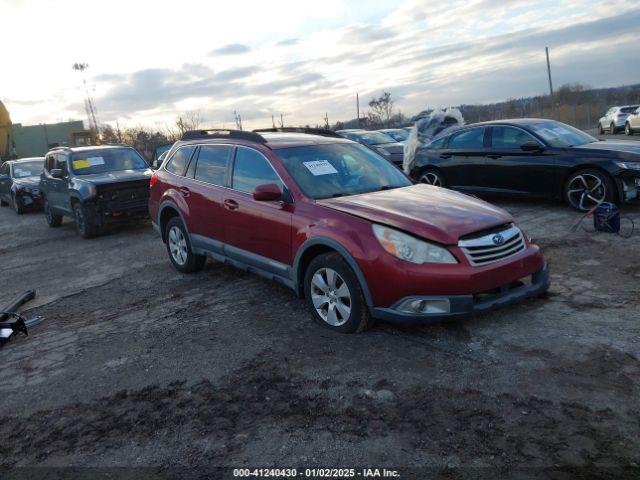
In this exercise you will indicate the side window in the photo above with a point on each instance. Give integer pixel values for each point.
(50, 162)
(179, 161)
(510, 138)
(212, 163)
(4, 170)
(469, 139)
(437, 144)
(251, 169)
(61, 163)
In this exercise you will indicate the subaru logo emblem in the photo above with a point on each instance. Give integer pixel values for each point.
(498, 239)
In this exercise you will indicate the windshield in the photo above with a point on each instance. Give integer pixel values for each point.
(398, 135)
(372, 138)
(27, 169)
(334, 170)
(107, 160)
(559, 134)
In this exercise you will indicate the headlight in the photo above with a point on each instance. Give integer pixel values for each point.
(406, 247)
(383, 151)
(91, 189)
(629, 165)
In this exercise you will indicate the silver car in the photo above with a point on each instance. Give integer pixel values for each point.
(615, 118)
(632, 125)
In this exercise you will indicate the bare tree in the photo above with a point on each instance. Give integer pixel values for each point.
(381, 110)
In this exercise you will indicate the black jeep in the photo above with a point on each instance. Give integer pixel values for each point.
(94, 186)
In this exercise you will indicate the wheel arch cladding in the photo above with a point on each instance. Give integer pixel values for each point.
(318, 246)
(591, 166)
(166, 212)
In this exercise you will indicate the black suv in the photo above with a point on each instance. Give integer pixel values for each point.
(94, 186)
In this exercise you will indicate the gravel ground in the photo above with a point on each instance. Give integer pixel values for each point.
(140, 366)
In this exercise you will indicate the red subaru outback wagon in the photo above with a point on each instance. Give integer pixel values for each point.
(340, 226)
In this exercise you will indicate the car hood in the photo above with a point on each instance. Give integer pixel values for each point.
(620, 148)
(117, 177)
(429, 212)
(26, 181)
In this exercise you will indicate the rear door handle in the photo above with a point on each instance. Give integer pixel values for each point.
(445, 155)
(231, 204)
(494, 156)
(184, 191)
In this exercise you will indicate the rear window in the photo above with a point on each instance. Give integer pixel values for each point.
(178, 162)
(628, 109)
(106, 160)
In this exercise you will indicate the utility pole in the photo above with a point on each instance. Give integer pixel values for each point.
(273, 121)
(358, 107)
(281, 121)
(88, 102)
(550, 82)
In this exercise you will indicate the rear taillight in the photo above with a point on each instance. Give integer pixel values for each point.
(153, 179)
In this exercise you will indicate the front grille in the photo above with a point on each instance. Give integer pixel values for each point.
(125, 196)
(493, 247)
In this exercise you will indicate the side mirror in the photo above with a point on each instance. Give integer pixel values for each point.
(531, 147)
(267, 192)
(56, 173)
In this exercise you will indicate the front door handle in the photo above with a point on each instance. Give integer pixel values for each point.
(494, 156)
(185, 191)
(231, 204)
(445, 155)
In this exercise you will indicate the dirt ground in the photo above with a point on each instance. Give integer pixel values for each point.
(140, 366)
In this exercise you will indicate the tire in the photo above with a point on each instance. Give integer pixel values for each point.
(587, 188)
(53, 220)
(179, 248)
(600, 129)
(3, 203)
(612, 129)
(86, 228)
(433, 177)
(19, 209)
(334, 295)
(627, 129)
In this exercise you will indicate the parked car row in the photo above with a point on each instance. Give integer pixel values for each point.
(336, 220)
(624, 118)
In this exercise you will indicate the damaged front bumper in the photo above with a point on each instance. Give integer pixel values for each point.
(436, 308)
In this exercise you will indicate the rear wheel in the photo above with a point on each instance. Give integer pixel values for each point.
(84, 224)
(53, 220)
(179, 248)
(588, 188)
(627, 129)
(432, 177)
(335, 296)
(17, 206)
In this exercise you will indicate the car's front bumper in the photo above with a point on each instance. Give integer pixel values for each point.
(465, 305)
(30, 200)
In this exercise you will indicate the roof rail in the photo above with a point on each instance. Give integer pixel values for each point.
(222, 133)
(311, 131)
(60, 147)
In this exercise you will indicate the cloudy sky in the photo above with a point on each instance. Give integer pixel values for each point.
(150, 61)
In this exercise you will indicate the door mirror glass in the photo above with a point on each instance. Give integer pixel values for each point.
(531, 147)
(267, 192)
(57, 173)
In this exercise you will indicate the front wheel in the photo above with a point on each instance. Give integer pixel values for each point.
(84, 224)
(53, 220)
(335, 296)
(612, 129)
(600, 129)
(179, 248)
(587, 189)
(627, 129)
(432, 177)
(17, 206)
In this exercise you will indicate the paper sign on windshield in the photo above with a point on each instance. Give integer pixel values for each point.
(320, 167)
(87, 162)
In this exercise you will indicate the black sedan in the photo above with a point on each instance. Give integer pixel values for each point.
(532, 157)
(19, 181)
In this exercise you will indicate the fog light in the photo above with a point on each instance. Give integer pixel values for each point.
(424, 305)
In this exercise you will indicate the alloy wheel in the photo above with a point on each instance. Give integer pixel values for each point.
(79, 219)
(331, 297)
(586, 191)
(431, 178)
(612, 129)
(178, 246)
(627, 129)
